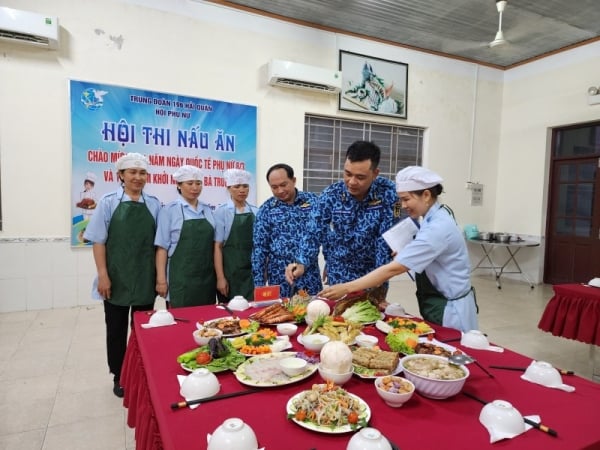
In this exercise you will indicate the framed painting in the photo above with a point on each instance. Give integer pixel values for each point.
(373, 85)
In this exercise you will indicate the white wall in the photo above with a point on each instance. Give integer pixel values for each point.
(209, 51)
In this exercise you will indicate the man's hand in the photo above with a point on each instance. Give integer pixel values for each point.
(293, 271)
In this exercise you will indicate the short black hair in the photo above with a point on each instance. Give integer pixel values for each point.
(363, 151)
(288, 170)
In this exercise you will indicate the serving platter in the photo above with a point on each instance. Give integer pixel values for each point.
(364, 416)
(226, 322)
(264, 371)
(214, 366)
(420, 328)
(281, 344)
(371, 374)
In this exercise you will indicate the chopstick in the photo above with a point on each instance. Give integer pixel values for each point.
(179, 319)
(228, 309)
(534, 424)
(478, 364)
(523, 369)
(179, 405)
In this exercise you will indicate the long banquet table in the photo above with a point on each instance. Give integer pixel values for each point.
(574, 313)
(150, 381)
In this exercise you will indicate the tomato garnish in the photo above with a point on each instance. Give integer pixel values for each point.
(300, 415)
(203, 358)
(352, 417)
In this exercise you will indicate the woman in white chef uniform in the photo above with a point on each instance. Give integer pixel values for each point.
(122, 231)
(185, 271)
(437, 255)
(233, 238)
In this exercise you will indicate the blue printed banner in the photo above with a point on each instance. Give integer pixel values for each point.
(108, 121)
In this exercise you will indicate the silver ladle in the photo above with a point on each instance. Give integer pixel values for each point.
(460, 359)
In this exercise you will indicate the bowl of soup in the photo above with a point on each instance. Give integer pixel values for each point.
(433, 376)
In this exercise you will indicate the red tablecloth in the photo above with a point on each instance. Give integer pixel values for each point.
(574, 313)
(150, 381)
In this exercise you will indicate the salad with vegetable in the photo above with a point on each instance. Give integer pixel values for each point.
(362, 312)
(217, 356)
(329, 406)
(402, 341)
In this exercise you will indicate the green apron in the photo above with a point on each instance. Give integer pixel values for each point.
(237, 251)
(431, 302)
(130, 259)
(192, 279)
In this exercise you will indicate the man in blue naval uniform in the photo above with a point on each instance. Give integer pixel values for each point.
(280, 223)
(351, 216)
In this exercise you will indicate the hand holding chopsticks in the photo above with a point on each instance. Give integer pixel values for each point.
(534, 424)
(185, 404)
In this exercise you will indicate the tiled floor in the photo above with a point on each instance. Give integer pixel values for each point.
(55, 390)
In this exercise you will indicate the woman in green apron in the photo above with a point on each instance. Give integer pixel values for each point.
(122, 231)
(233, 239)
(185, 272)
(437, 255)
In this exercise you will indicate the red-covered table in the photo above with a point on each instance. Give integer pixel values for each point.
(573, 313)
(150, 381)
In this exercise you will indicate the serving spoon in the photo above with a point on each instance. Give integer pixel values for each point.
(459, 359)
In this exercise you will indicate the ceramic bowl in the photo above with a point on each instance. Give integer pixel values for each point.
(287, 329)
(238, 303)
(594, 282)
(314, 342)
(541, 372)
(544, 373)
(336, 378)
(293, 366)
(233, 434)
(429, 374)
(395, 391)
(201, 383)
(366, 340)
(368, 439)
(502, 419)
(475, 339)
(160, 318)
(203, 335)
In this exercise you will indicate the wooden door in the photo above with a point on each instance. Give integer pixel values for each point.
(573, 226)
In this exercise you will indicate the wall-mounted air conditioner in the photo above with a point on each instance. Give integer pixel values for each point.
(301, 76)
(24, 27)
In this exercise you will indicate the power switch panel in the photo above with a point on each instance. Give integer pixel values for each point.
(476, 194)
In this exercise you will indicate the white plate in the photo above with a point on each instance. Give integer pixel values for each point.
(384, 327)
(242, 331)
(299, 339)
(372, 377)
(381, 317)
(280, 346)
(267, 366)
(365, 414)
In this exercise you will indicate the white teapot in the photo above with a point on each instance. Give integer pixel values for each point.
(233, 434)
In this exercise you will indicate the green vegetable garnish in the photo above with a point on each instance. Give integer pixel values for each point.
(402, 341)
(362, 312)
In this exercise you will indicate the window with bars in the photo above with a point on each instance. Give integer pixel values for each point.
(326, 140)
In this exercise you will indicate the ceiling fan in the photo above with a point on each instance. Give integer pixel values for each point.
(499, 39)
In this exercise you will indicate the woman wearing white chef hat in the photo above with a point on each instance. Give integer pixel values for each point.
(185, 272)
(437, 255)
(233, 238)
(122, 231)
